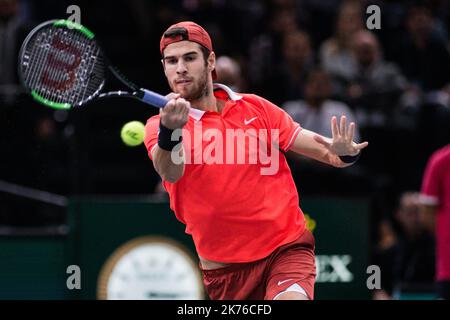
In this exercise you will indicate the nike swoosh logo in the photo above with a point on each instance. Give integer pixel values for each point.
(246, 122)
(281, 282)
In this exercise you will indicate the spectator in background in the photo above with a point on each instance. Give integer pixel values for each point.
(48, 154)
(288, 78)
(424, 57)
(384, 254)
(229, 73)
(435, 199)
(12, 33)
(406, 257)
(314, 113)
(316, 110)
(422, 54)
(414, 260)
(336, 52)
(375, 86)
(265, 50)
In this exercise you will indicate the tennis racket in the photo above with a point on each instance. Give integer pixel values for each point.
(62, 66)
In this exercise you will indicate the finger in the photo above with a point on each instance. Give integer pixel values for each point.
(361, 146)
(186, 113)
(321, 140)
(172, 95)
(342, 129)
(184, 109)
(169, 106)
(178, 107)
(351, 131)
(181, 105)
(334, 128)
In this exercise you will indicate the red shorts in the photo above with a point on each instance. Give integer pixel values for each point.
(265, 278)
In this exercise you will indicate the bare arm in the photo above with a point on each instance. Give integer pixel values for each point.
(164, 165)
(173, 116)
(328, 150)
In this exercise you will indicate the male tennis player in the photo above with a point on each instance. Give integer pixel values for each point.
(245, 221)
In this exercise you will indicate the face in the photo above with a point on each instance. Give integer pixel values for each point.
(365, 49)
(408, 214)
(419, 22)
(284, 21)
(296, 47)
(317, 88)
(186, 71)
(409, 219)
(228, 71)
(349, 20)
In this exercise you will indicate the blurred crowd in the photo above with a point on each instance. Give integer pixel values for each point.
(315, 59)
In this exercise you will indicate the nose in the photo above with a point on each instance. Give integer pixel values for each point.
(181, 67)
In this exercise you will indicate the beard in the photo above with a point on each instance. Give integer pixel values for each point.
(198, 89)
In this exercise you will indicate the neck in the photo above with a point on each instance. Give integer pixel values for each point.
(208, 103)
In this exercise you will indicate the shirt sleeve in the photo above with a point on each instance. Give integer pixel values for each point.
(431, 183)
(151, 134)
(288, 129)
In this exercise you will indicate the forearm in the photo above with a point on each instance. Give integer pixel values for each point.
(169, 167)
(168, 155)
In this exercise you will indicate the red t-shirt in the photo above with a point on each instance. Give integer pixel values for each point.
(436, 191)
(236, 211)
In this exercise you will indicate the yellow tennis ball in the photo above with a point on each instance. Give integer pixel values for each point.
(132, 133)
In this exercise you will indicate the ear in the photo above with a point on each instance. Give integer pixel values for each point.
(212, 61)
(164, 66)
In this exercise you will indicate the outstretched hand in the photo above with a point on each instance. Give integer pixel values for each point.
(341, 144)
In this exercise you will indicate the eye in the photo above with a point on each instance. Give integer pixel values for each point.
(190, 58)
(171, 61)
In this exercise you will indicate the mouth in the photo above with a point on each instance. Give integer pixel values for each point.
(182, 82)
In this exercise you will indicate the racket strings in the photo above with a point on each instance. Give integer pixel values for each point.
(56, 75)
(61, 77)
(39, 58)
(89, 59)
(63, 66)
(92, 87)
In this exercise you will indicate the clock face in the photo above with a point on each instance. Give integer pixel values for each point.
(150, 268)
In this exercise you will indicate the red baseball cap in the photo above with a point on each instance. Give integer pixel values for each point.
(186, 30)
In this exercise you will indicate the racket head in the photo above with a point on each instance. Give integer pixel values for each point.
(61, 64)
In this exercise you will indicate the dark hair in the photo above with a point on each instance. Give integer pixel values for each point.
(183, 33)
(206, 52)
(177, 32)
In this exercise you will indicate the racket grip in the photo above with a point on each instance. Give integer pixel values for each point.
(153, 98)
